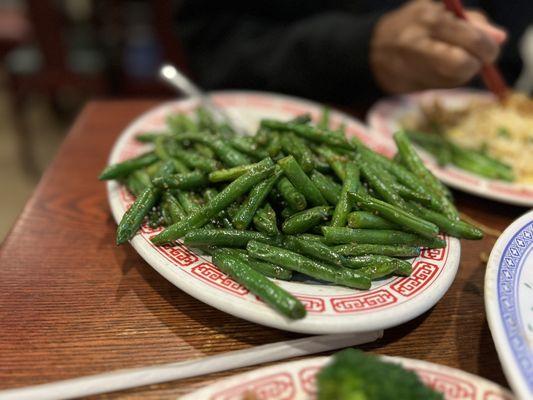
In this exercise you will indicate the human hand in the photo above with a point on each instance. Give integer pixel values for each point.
(421, 45)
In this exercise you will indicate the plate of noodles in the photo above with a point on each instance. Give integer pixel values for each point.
(469, 140)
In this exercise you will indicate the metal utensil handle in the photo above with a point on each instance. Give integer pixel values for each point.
(172, 75)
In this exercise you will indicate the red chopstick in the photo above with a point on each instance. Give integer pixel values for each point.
(491, 75)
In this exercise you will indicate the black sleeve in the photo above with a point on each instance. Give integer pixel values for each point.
(323, 56)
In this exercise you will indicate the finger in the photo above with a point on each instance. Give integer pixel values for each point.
(497, 33)
(444, 65)
(465, 35)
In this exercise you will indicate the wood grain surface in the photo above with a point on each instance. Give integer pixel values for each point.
(72, 303)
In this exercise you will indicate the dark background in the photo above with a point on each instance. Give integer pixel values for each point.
(57, 54)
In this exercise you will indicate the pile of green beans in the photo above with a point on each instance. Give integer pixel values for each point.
(475, 161)
(295, 198)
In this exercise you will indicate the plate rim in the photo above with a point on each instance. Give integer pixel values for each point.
(326, 324)
(296, 365)
(513, 373)
(376, 120)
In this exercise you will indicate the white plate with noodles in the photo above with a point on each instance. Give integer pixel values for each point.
(297, 381)
(330, 308)
(471, 119)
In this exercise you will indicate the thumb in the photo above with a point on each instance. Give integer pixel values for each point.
(498, 34)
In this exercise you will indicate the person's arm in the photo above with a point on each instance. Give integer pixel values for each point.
(323, 56)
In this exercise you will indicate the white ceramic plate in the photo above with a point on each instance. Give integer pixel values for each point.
(296, 381)
(331, 309)
(509, 303)
(385, 116)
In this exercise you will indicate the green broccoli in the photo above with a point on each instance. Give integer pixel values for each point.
(355, 375)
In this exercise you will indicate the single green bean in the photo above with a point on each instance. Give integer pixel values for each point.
(357, 249)
(274, 144)
(324, 118)
(296, 262)
(293, 145)
(259, 285)
(204, 150)
(194, 160)
(263, 135)
(457, 228)
(265, 221)
(405, 219)
(124, 168)
(351, 184)
(165, 213)
(305, 220)
(150, 137)
(335, 161)
(409, 194)
(165, 170)
(247, 145)
(255, 199)
(301, 181)
(314, 249)
(308, 132)
(135, 185)
(225, 237)
(133, 218)
(310, 236)
(227, 154)
(160, 148)
(376, 267)
(187, 181)
(153, 169)
(302, 119)
(229, 174)
(265, 268)
(142, 176)
(172, 208)
(223, 217)
(188, 201)
(292, 197)
(337, 235)
(330, 189)
(179, 166)
(367, 220)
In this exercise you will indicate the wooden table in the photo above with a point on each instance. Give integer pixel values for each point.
(72, 303)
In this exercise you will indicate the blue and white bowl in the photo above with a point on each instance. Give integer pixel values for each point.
(509, 303)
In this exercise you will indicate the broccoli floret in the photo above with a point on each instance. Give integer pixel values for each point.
(355, 375)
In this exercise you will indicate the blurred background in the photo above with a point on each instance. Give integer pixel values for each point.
(57, 54)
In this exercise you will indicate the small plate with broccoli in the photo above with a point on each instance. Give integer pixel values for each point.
(353, 375)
